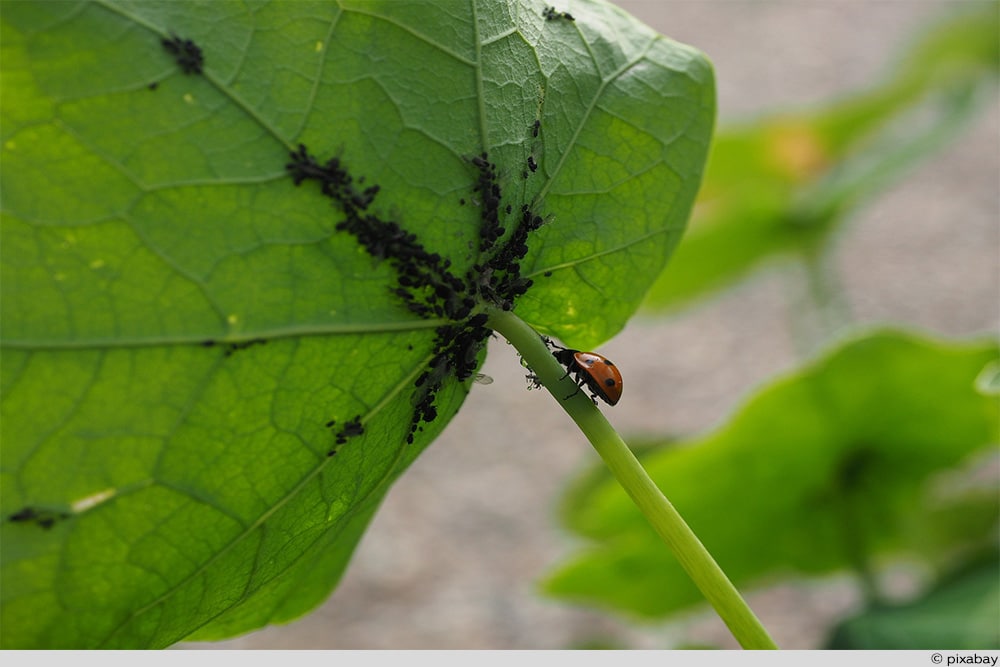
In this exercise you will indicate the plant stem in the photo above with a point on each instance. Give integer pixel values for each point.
(669, 525)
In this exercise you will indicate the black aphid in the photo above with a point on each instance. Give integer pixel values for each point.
(44, 518)
(551, 14)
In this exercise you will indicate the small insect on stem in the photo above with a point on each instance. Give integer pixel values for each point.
(591, 370)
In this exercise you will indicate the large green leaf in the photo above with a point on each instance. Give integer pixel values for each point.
(822, 470)
(961, 612)
(180, 321)
(779, 185)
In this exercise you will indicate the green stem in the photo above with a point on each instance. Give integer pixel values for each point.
(683, 543)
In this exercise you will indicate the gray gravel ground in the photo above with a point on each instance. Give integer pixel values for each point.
(451, 560)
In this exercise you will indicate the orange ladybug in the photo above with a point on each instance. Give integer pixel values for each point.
(594, 371)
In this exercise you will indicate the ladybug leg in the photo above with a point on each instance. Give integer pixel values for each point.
(579, 386)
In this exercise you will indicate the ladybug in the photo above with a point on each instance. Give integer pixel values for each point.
(594, 371)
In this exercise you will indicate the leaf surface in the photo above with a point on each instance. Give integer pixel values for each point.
(181, 322)
(960, 613)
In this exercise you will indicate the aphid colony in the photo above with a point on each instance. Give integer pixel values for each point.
(426, 284)
(187, 54)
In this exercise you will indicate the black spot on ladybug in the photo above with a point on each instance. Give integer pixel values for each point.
(43, 518)
(187, 54)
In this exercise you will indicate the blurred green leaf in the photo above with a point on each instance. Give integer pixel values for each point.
(961, 613)
(781, 184)
(819, 471)
(180, 322)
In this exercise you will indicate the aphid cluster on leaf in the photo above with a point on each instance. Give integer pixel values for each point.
(228, 349)
(44, 518)
(231, 348)
(551, 14)
(187, 54)
(351, 429)
(334, 179)
(426, 285)
(497, 274)
(495, 278)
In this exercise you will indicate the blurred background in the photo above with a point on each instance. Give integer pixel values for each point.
(452, 559)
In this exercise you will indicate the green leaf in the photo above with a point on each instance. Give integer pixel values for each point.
(181, 322)
(778, 186)
(819, 471)
(960, 613)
